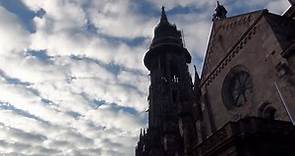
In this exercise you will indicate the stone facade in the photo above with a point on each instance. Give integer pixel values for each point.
(242, 105)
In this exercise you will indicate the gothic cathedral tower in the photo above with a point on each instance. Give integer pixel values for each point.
(170, 95)
(243, 103)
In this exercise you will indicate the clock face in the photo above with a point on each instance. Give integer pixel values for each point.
(240, 88)
(237, 89)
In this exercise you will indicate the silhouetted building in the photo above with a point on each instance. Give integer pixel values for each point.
(244, 102)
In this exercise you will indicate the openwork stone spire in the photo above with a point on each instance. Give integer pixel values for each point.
(165, 35)
(164, 18)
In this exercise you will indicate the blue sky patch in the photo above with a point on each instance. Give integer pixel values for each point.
(21, 11)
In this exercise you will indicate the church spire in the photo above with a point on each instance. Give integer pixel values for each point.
(165, 34)
(164, 18)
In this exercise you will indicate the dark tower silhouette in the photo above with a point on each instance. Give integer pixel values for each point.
(171, 129)
(243, 102)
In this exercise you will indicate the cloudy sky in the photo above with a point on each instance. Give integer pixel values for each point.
(72, 81)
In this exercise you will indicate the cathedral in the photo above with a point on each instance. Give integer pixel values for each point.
(242, 104)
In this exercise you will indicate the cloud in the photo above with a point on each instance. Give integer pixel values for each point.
(76, 85)
(13, 36)
(184, 3)
(278, 6)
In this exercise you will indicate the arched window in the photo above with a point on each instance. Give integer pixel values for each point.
(267, 111)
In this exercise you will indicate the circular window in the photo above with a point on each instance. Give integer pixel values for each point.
(237, 88)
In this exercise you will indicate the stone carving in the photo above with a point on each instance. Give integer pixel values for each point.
(220, 12)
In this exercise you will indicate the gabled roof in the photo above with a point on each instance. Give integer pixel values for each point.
(228, 33)
(225, 35)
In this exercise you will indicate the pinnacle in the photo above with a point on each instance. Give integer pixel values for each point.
(163, 16)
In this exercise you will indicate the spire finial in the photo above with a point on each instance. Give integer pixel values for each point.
(220, 12)
(163, 15)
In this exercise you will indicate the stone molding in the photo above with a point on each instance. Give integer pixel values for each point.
(231, 54)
